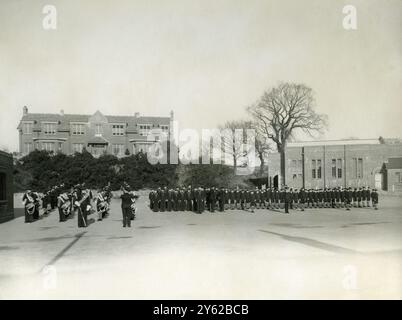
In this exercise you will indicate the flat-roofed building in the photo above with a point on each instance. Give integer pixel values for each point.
(332, 163)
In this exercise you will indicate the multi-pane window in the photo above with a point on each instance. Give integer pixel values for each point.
(398, 177)
(313, 169)
(118, 130)
(49, 128)
(27, 147)
(144, 129)
(78, 147)
(27, 127)
(118, 149)
(357, 167)
(339, 167)
(336, 168)
(98, 129)
(333, 168)
(316, 169)
(78, 129)
(48, 146)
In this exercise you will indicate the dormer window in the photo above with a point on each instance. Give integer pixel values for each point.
(98, 129)
(49, 128)
(144, 129)
(118, 129)
(27, 127)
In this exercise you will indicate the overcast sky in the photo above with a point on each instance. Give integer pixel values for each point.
(206, 60)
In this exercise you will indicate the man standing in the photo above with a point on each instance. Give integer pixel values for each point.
(126, 201)
(64, 206)
(374, 199)
(286, 199)
(368, 195)
(302, 198)
(82, 202)
(29, 205)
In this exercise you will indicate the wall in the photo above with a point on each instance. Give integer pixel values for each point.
(393, 180)
(6, 187)
(299, 169)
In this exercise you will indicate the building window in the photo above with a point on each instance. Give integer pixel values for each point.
(339, 168)
(357, 167)
(144, 129)
(78, 129)
(165, 128)
(118, 130)
(319, 169)
(27, 147)
(78, 147)
(398, 177)
(313, 170)
(336, 168)
(333, 168)
(49, 128)
(316, 169)
(118, 149)
(48, 146)
(27, 127)
(98, 129)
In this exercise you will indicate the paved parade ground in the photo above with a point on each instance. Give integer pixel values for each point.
(320, 253)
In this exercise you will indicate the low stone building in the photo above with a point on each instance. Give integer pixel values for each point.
(346, 163)
(392, 174)
(6, 187)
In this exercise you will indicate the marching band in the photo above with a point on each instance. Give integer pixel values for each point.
(77, 199)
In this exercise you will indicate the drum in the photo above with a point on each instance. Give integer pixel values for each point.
(30, 208)
(66, 208)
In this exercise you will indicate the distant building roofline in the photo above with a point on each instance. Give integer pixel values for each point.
(333, 142)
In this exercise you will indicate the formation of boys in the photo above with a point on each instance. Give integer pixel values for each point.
(213, 199)
(78, 199)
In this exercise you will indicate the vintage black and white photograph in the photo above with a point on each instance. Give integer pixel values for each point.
(200, 150)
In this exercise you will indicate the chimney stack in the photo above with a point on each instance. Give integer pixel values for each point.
(136, 115)
(25, 110)
(62, 112)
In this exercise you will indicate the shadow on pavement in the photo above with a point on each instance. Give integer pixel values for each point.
(149, 227)
(295, 225)
(7, 248)
(313, 243)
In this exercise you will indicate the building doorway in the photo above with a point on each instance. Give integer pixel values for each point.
(276, 181)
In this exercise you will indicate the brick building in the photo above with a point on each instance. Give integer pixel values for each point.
(6, 187)
(97, 133)
(345, 163)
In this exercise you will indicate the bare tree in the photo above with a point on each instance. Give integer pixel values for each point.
(262, 147)
(231, 143)
(282, 111)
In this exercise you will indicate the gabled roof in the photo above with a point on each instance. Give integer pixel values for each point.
(394, 163)
(68, 118)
